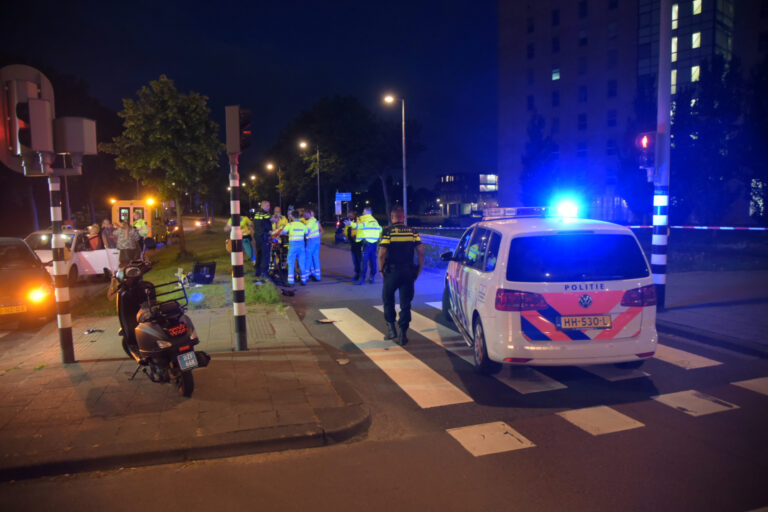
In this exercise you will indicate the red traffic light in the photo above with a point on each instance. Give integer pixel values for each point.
(644, 142)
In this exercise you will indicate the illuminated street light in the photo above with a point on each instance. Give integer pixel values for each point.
(389, 99)
(304, 145)
(270, 166)
(112, 200)
(253, 177)
(150, 201)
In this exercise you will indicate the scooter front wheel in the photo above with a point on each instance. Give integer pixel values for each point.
(185, 384)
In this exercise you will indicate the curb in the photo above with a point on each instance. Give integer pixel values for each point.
(246, 442)
(738, 345)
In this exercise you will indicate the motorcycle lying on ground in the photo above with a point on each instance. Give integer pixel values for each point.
(155, 330)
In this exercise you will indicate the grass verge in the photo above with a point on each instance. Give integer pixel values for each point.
(202, 246)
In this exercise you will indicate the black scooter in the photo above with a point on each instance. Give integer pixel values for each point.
(155, 330)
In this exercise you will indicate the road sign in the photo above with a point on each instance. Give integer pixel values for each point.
(343, 196)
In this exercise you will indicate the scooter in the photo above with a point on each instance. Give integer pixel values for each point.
(155, 330)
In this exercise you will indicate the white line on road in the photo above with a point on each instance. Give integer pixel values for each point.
(489, 438)
(522, 379)
(695, 403)
(600, 420)
(424, 385)
(611, 373)
(759, 385)
(682, 358)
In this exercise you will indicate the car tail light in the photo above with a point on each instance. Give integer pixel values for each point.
(639, 297)
(517, 359)
(513, 300)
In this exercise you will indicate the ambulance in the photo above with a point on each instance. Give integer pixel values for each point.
(531, 286)
(151, 210)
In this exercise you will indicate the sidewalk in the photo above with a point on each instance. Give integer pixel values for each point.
(727, 308)
(285, 392)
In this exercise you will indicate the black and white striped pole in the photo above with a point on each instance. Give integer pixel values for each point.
(60, 278)
(662, 156)
(238, 138)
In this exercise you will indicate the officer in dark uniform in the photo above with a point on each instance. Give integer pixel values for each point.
(262, 231)
(395, 258)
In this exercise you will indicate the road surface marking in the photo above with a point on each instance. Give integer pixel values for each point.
(682, 358)
(522, 379)
(600, 420)
(436, 305)
(496, 437)
(695, 403)
(611, 373)
(759, 385)
(424, 385)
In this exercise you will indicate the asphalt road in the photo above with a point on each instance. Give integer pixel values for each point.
(688, 433)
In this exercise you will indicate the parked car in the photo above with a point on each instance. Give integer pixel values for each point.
(80, 259)
(526, 288)
(26, 289)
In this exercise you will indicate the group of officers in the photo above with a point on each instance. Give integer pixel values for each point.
(394, 250)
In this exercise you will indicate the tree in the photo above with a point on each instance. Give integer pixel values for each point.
(755, 135)
(168, 142)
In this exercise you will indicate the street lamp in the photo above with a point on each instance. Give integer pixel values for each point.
(270, 166)
(304, 145)
(391, 100)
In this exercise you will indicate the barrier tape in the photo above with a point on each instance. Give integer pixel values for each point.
(724, 228)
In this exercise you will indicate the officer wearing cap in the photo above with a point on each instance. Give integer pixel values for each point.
(395, 258)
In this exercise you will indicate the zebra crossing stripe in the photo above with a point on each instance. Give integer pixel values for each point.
(682, 358)
(611, 373)
(424, 385)
(488, 438)
(522, 379)
(695, 403)
(600, 420)
(759, 385)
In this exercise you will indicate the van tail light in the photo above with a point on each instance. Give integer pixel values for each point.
(639, 297)
(512, 300)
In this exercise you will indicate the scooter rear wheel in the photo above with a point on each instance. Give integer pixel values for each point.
(185, 384)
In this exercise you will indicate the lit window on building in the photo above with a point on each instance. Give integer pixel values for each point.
(555, 74)
(696, 7)
(695, 73)
(489, 182)
(696, 40)
(673, 81)
(674, 49)
(675, 15)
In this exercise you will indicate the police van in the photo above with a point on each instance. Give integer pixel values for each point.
(526, 286)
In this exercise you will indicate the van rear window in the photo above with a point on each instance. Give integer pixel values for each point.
(575, 257)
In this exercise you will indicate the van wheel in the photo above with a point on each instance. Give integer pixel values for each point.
(483, 365)
(447, 303)
(73, 275)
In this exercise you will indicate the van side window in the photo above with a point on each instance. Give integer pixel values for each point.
(462, 247)
(476, 252)
(493, 252)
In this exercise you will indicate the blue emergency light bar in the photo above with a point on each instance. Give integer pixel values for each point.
(565, 209)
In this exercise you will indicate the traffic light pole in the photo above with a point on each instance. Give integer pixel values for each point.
(60, 278)
(661, 162)
(238, 273)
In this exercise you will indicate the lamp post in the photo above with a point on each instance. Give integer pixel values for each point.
(271, 166)
(391, 99)
(304, 145)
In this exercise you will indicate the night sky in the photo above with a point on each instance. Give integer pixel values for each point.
(279, 58)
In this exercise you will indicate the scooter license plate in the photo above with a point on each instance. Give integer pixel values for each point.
(187, 360)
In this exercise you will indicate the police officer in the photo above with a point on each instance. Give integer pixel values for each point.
(246, 230)
(314, 230)
(398, 243)
(368, 232)
(262, 231)
(297, 232)
(355, 245)
(142, 228)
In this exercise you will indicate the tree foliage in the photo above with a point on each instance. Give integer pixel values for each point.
(169, 141)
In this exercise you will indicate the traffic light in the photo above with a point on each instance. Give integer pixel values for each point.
(238, 127)
(646, 145)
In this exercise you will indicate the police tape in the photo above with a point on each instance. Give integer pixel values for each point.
(723, 228)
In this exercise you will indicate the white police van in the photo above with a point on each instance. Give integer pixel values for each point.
(528, 288)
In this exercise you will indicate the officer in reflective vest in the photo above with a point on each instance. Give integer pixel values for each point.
(396, 251)
(297, 232)
(314, 230)
(141, 226)
(368, 232)
(262, 231)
